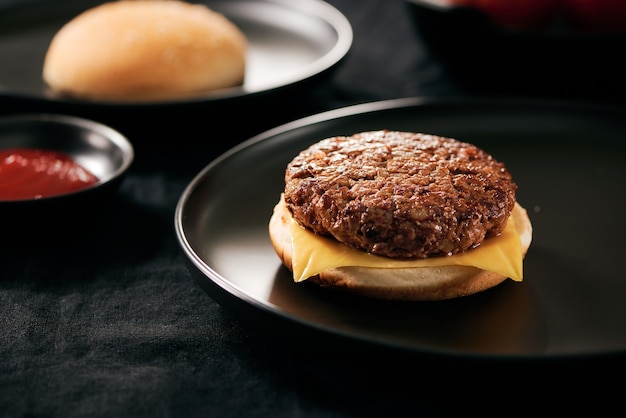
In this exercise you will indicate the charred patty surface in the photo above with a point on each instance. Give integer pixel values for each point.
(400, 194)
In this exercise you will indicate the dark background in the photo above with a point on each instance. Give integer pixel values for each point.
(113, 325)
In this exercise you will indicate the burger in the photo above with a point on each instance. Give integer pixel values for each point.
(400, 216)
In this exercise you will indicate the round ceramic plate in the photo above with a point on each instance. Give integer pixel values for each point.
(290, 41)
(568, 162)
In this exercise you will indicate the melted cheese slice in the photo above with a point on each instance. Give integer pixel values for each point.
(313, 254)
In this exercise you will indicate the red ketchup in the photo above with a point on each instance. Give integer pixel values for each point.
(34, 173)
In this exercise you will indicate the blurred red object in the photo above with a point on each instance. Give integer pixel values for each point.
(576, 15)
(486, 57)
(516, 14)
(594, 15)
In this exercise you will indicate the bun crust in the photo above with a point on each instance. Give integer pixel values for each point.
(414, 284)
(145, 50)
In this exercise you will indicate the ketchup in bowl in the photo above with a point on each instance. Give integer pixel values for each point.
(36, 173)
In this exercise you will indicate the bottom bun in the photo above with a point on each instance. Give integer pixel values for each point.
(409, 284)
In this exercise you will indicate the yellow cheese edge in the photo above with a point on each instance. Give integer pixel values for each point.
(313, 254)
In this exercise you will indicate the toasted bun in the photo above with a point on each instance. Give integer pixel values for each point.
(145, 50)
(415, 284)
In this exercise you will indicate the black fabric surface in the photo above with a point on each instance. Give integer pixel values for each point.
(112, 325)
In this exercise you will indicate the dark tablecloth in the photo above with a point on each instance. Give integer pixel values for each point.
(113, 325)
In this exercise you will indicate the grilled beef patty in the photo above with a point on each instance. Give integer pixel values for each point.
(400, 194)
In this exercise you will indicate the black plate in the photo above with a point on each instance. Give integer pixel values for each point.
(289, 41)
(569, 164)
